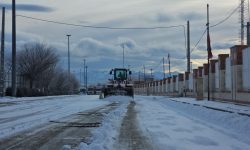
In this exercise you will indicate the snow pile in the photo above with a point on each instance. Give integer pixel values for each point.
(105, 136)
(235, 108)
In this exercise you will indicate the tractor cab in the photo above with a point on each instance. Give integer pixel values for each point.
(120, 74)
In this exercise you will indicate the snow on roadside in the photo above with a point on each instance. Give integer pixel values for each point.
(174, 125)
(237, 124)
(105, 136)
(23, 99)
(236, 108)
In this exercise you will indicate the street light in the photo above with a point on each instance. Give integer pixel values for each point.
(68, 56)
(86, 80)
(13, 84)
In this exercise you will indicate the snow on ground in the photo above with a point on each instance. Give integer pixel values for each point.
(23, 99)
(25, 113)
(235, 108)
(170, 123)
(232, 121)
(178, 126)
(105, 136)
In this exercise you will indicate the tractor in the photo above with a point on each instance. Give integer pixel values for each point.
(120, 84)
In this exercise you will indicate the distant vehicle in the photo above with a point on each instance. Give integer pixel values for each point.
(91, 91)
(121, 84)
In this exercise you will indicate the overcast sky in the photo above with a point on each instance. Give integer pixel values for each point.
(101, 47)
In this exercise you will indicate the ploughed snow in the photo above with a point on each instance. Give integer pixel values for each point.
(105, 136)
(19, 114)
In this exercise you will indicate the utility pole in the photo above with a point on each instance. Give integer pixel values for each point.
(208, 87)
(139, 77)
(2, 54)
(129, 70)
(13, 48)
(80, 77)
(242, 21)
(188, 47)
(86, 78)
(151, 71)
(144, 73)
(84, 74)
(163, 66)
(248, 34)
(68, 57)
(123, 56)
(169, 71)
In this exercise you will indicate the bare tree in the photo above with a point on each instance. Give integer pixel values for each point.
(60, 83)
(35, 60)
(37, 63)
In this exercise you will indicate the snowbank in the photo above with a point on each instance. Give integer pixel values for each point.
(105, 136)
(22, 99)
(229, 121)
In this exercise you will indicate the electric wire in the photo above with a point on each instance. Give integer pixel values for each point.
(229, 16)
(195, 46)
(212, 26)
(107, 27)
(139, 28)
(158, 65)
(197, 43)
(101, 27)
(112, 28)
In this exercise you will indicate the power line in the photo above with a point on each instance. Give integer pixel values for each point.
(102, 27)
(158, 65)
(110, 28)
(197, 43)
(204, 32)
(199, 40)
(220, 22)
(229, 16)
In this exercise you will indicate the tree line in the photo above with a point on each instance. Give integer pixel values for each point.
(37, 65)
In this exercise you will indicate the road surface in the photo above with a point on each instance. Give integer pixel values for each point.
(68, 131)
(142, 123)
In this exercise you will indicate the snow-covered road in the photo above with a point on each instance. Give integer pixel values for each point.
(145, 122)
(25, 113)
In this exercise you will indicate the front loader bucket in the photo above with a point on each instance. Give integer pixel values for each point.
(118, 91)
